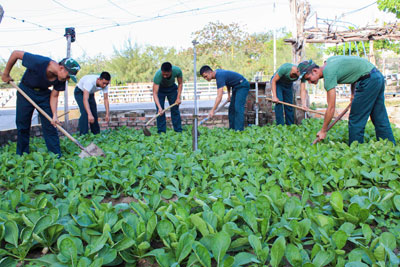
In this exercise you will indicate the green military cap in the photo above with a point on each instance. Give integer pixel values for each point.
(305, 67)
(71, 66)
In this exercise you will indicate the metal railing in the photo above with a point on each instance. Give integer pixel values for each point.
(143, 92)
(6, 95)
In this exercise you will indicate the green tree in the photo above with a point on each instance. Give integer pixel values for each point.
(218, 38)
(392, 6)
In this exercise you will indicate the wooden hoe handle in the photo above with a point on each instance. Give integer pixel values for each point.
(338, 118)
(158, 114)
(295, 106)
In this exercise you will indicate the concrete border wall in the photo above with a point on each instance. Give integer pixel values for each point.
(130, 119)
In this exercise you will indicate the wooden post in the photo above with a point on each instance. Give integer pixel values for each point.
(300, 12)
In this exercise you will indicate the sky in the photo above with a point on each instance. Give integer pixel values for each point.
(101, 26)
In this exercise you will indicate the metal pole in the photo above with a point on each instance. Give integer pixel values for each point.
(349, 48)
(358, 53)
(70, 35)
(195, 137)
(365, 52)
(1, 13)
(256, 106)
(274, 39)
(66, 123)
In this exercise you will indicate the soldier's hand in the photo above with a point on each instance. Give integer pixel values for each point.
(321, 135)
(90, 118)
(6, 78)
(55, 121)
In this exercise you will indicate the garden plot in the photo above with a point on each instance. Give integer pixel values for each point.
(263, 196)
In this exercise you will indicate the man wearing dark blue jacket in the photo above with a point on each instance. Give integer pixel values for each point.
(240, 88)
(41, 73)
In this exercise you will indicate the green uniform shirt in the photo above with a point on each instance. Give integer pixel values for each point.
(344, 70)
(284, 73)
(165, 83)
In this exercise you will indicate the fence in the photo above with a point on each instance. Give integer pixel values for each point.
(143, 92)
(6, 95)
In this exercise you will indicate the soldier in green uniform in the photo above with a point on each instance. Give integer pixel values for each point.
(282, 90)
(164, 86)
(367, 94)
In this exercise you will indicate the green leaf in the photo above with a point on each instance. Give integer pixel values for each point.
(97, 244)
(293, 255)
(164, 228)
(220, 245)
(48, 260)
(255, 243)
(128, 230)
(11, 233)
(303, 227)
(394, 260)
(124, 243)
(379, 253)
(203, 255)
(200, 224)
(72, 229)
(97, 262)
(8, 262)
(15, 197)
(2, 230)
(144, 246)
(367, 232)
(108, 254)
(228, 261)
(68, 250)
(340, 238)
(337, 201)
(167, 194)
(251, 220)
(388, 239)
(356, 264)
(396, 201)
(219, 209)
(351, 182)
(323, 258)
(277, 251)
(244, 258)
(151, 225)
(43, 223)
(184, 246)
(166, 259)
(84, 262)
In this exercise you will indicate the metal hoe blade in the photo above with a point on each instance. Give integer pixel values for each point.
(92, 150)
(146, 131)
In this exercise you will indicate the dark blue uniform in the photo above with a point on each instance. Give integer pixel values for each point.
(240, 88)
(35, 84)
(369, 101)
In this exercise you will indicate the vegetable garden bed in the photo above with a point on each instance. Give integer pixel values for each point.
(261, 197)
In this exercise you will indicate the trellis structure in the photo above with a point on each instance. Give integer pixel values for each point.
(300, 12)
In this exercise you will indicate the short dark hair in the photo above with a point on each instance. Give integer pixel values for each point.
(205, 68)
(105, 76)
(166, 67)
